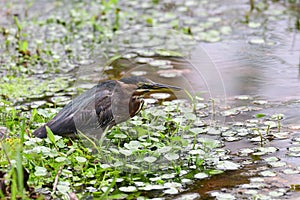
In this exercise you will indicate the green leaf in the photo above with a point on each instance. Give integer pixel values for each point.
(50, 135)
(171, 156)
(60, 159)
(23, 45)
(259, 115)
(215, 171)
(81, 159)
(150, 159)
(40, 171)
(63, 187)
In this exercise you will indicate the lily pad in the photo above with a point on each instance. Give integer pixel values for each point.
(171, 191)
(245, 151)
(268, 173)
(128, 189)
(294, 149)
(171, 156)
(257, 41)
(291, 171)
(254, 24)
(271, 159)
(222, 196)
(150, 187)
(169, 74)
(201, 175)
(276, 194)
(138, 73)
(277, 164)
(189, 196)
(168, 176)
(227, 165)
(157, 63)
(150, 159)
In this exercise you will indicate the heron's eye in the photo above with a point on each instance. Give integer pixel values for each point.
(139, 84)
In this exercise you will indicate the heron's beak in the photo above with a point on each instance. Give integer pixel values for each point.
(157, 87)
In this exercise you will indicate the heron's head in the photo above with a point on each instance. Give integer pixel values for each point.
(145, 85)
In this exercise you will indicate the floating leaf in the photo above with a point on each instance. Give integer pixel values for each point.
(150, 187)
(294, 149)
(243, 97)
(197, 130)
(260, 102)
(150, 159)
(171, 156)
(173, 184)
(186, 181)
(271, 159)
(164, 149)
(268, 173)
(171, 191)
(276, 194)
(291, 171)
(222, 196)
(128, 189)
(210, 143)
(125, 152)
(167, 176)
(254, 24)
(266, 150)
(197, 152)
(201, 175)
(277, 164)
(133, 145)
(138, 73)
(227, 165)
(251, 192)
(158, 63)
(213, 131)
(245, 151)
(226, 30)
(257, 41)
(188, 196)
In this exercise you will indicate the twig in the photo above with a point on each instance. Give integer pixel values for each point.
(56, 178)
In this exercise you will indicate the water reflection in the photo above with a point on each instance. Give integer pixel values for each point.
(270, 72)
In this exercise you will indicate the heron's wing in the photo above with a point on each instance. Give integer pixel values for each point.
(88, 111)
(76, 115)
(93, 110)
(103, 107)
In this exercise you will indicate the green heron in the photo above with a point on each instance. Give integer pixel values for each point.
(103, 106)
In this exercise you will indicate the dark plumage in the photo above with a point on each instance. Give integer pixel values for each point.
(105, 105)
